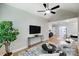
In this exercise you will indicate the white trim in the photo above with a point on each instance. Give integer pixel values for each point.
(14, 51)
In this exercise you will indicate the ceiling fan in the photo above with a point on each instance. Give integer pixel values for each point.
(48, 10)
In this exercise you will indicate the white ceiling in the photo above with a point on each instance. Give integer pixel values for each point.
(66, 9)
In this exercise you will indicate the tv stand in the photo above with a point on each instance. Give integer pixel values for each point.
(35, 40)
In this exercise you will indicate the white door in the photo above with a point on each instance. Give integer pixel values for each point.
(62, 32)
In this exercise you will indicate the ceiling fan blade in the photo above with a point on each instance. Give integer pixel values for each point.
(44, 14)
(53, 12)
(41, 11)
(55, 7)
(44, 5)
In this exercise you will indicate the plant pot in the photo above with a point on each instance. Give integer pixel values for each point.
(8, 54)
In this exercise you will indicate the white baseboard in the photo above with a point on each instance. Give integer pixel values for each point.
(17, 50)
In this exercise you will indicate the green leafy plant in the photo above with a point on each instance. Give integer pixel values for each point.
(7, 34)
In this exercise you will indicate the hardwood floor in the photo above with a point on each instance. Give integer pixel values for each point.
(25, 49)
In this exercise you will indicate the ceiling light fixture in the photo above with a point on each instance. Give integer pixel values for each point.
(48, 11)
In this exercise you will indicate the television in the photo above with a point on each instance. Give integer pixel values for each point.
(34, 29)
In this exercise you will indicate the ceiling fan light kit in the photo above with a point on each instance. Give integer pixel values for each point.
(47, 11)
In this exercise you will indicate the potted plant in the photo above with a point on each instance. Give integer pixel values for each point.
(7, 35)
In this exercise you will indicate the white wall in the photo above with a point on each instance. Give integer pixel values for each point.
(21, 20)
(71, 24)
(78, 26)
